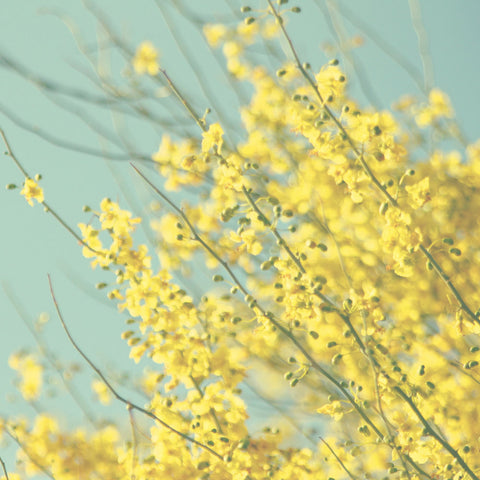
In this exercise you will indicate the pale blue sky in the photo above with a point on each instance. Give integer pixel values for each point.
(33, 244)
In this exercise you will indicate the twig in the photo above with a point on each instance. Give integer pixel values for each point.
(4, 468)
(339, 460)
(360, 157)
(47, 207)
(129, 404)
(434, 434)
(275, 322)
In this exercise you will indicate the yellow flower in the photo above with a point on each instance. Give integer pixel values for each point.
(419, 193)
(102, 391)
(31, 191)
(31, 373)
(146, 59)
(438, 107)
(212, 138)
(214, 34)
(334, 409)
(250, 240)
(330, 82)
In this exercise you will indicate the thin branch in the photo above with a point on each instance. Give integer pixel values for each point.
(47, 207)
(339, 460)
(27, 453)
(255, 305)
(434, 434)
(129, 404)
(69, 145)
(46, 351)
(4, 468)
(359, 155)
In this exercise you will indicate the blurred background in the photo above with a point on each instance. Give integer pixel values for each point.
(54, 125)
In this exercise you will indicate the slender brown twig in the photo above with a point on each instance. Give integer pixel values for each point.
(129, 404)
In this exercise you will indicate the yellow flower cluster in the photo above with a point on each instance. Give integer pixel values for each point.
(31, 191)
(438, 107)
(31, 375)
(340, 268)
(146, 59)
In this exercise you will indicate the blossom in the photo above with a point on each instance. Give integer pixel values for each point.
(438, 107)
(102, 391)
(31, 373)
(419, 193)
(212, 138)
(146, 59)
(31, 191)
(214, 34)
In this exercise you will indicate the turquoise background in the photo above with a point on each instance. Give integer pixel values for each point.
(36, 35)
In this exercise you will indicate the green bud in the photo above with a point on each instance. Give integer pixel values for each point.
(381, 349)
(249, 20)
(265, 265)
(10, 186)
(245, 9)
(336, 359)
(347, 304)
(217, 278)
(383, 208)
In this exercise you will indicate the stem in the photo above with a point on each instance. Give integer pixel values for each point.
(264, 312)
(129, 404)
(434, 434)
(361, 158)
